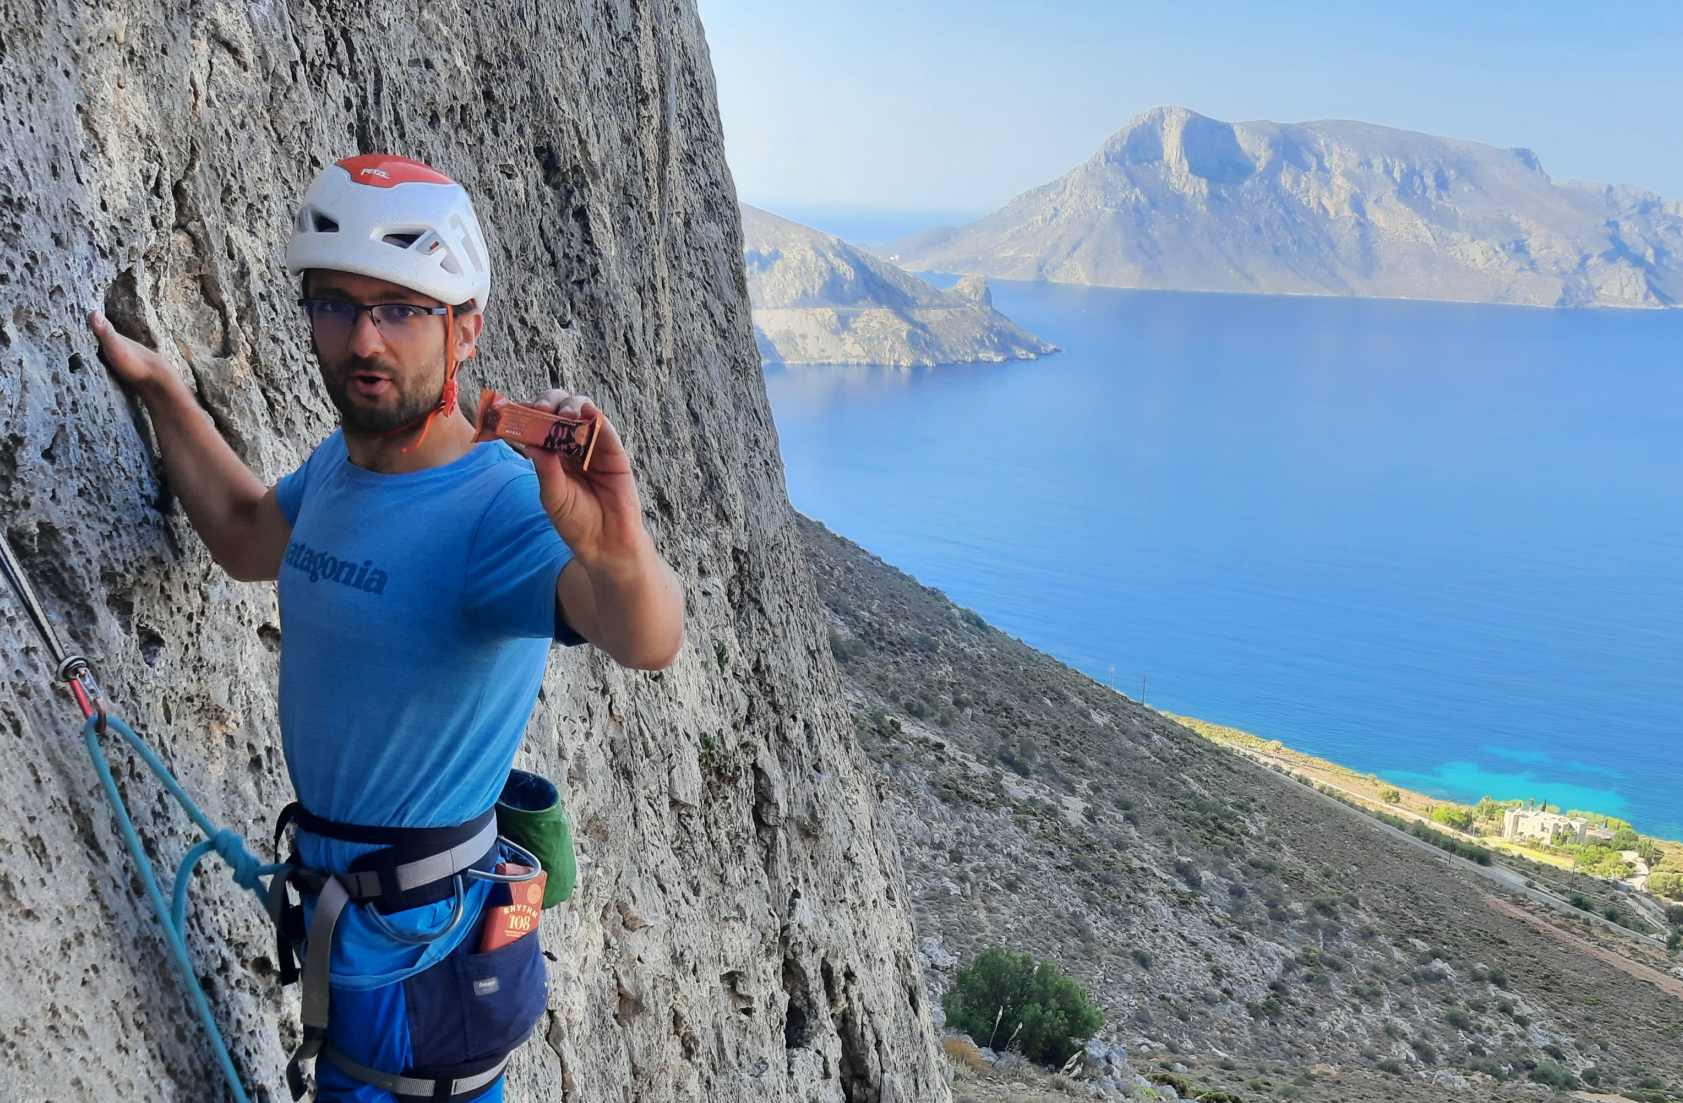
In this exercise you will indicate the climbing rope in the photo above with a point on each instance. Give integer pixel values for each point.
(247, 868)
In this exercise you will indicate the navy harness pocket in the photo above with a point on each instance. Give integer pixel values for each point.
(472, 1008)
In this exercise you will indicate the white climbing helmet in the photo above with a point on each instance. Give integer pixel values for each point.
(394, 219)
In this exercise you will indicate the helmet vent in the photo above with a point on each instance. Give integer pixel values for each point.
(323, 224)
(402, 241)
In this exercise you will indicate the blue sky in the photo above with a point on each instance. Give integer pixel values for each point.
(946, 108)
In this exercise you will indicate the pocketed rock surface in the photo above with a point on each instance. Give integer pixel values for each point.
(740, 929)
(1224, 917)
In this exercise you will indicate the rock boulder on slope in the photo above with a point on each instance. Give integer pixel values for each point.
(739, 930)
(1176, 200)
(819, 300)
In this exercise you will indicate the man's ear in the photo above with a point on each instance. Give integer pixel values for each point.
(468, 328)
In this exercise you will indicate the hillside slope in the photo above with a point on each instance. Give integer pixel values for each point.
(739, 929)
(1177, 200)
(1218, 911)
(819, 300)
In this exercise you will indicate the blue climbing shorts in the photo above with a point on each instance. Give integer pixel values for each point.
(450, 1020)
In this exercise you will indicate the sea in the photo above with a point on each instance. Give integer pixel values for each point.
(1438, 542)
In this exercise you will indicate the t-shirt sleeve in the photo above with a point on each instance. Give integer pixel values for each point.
(514, 565)
(289, 492)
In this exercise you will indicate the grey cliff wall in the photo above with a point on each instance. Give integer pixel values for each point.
(739, 931)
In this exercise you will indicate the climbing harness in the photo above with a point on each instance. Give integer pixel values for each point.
(247, 868)
(416, 866)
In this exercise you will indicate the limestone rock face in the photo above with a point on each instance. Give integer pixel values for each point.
(1177, 200)
(819, 300)
(739, 930)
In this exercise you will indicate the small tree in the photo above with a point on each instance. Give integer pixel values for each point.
(1005, 997)
(1458, 818)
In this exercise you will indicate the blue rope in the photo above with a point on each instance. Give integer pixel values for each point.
(247, 868)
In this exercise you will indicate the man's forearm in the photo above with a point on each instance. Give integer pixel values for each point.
(636, 611)
(219, 493)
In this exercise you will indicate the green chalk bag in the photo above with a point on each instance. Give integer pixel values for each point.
(529, 813)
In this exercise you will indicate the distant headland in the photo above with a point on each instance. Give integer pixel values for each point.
(819, 300)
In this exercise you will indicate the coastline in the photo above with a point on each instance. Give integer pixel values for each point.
(1375, 794)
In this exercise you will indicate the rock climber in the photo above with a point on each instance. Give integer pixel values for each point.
(422, 579)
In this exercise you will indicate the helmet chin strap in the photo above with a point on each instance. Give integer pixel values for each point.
(446, 400)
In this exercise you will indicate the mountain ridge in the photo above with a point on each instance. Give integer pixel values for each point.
(1179, 201)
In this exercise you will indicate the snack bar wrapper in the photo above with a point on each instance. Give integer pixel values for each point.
(502, 419)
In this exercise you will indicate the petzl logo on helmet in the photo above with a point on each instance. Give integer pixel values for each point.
(382, 173)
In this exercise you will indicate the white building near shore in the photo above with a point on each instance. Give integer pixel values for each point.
(1522, 825)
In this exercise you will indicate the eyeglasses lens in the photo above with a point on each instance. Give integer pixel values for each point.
(333, 321)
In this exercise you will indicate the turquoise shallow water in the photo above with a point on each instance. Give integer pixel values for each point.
(1438, 542)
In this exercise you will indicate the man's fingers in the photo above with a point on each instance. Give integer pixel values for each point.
(550, 401)
(567, 405)
(124, 354)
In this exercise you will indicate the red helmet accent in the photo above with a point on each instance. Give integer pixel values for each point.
(383, 170)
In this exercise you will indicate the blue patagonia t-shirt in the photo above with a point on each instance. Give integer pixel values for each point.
(417, 612)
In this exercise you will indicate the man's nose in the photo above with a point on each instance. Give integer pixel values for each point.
(365, 335)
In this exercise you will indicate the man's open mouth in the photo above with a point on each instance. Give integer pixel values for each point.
(369, 384)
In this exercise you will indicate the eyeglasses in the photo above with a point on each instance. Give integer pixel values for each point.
(334, 320)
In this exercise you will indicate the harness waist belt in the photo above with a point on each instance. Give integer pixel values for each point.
(435, 853)
(414, 1086)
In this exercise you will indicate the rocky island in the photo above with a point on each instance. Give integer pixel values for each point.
(819, 300)
(1180, 201)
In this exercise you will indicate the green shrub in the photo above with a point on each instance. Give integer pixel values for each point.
(1667, 883)
(1459, 1019)
(1004, 994)
(1390, 795)
(1488, 1066)
(845, 648)
(1458, 818)
(1554, 1075)
(1391, 1065)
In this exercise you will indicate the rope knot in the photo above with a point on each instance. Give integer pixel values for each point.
(246, 865)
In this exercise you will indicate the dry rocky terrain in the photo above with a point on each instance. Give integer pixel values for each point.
(1226, 918)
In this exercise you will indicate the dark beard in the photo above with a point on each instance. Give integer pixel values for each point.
(410, 407)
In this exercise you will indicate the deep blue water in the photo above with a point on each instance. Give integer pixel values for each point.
(1439, 542)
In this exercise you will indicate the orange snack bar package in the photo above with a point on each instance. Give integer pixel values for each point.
(503, 419)
(511, 913)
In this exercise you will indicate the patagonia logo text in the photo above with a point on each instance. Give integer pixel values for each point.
(323, 567)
